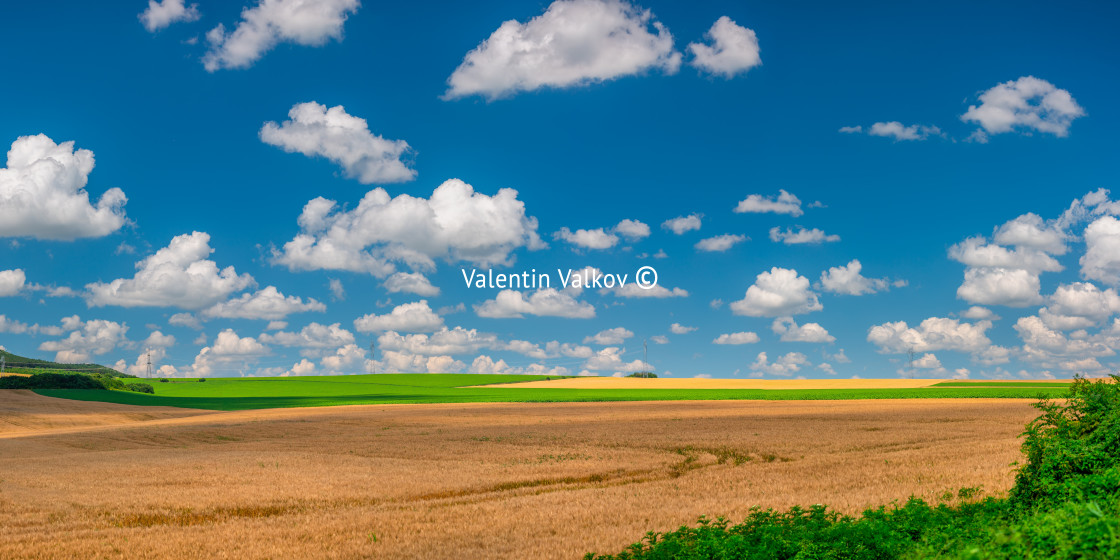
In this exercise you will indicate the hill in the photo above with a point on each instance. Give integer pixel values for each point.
(14, 363)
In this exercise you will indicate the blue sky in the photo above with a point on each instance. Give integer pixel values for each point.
(957, 155)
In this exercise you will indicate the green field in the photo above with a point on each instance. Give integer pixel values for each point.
(1003, 384)
(283, 392)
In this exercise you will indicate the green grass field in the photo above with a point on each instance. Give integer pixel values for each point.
(1003, 384)
(283, 392)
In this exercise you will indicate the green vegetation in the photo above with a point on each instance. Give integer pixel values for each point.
(278, 392)
(44, 375)
(1002, 384)
(20, 364)
(52, 381)
(140, 388)
(71, 381)
(1065, 505)
(643, 374)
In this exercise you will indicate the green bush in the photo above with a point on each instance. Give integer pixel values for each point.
(164, 380)
(140, 388)
(109, 381)
(1073, 448)
(1065, 505)
(51, 381)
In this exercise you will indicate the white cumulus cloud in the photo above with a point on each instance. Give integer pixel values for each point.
(974, 252)
(977, 312)
(899, 131)
(848, 280)
(587, 238)
(87, 339)
(179, 275)
(159, 340)
(230, 353)
(456, 223)
(1054, 349)
(12, 282)
(934, 333)
(609, 337)
(1080, 300)
(777, 293)
(344, 359)
(633, 290)
(801, 236)
(603, 238)
(268, 304)
(314, 336)
(163, 13)
(612, 358)
(408, 317)
(682, 224)
(13, 326)
(1102, 251)
(736, 338)
(271, 22)
(1030, 231)
(42, 193)
(548, 302)
(1000, 276)
(1013, 287)
(719, 243)
(574, 42)
(410, 282)
(790, 331)
(185, 320)
(314, 130)
(393, 361)
(441, 342)
(784, 203)
(632, 229)
(1027, 104)
(731, 49)
(784, 366)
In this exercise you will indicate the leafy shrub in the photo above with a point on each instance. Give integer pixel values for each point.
(109, 381)
(164, 380)
(51, 381)
(201, 379)
(1073, 448)
(140, 388)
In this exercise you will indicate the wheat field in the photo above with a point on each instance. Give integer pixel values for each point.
(479, 480)
(705, 383)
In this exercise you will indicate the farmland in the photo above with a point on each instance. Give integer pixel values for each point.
(257, 393)
(465, 480)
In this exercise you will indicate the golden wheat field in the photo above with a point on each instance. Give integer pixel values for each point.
(704, 383)
(483, 480)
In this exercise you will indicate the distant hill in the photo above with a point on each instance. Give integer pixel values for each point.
(18, 364)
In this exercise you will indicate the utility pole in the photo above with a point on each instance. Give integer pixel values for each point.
(149, 362)
(373, 350)
(645, 352)
(1, 365)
